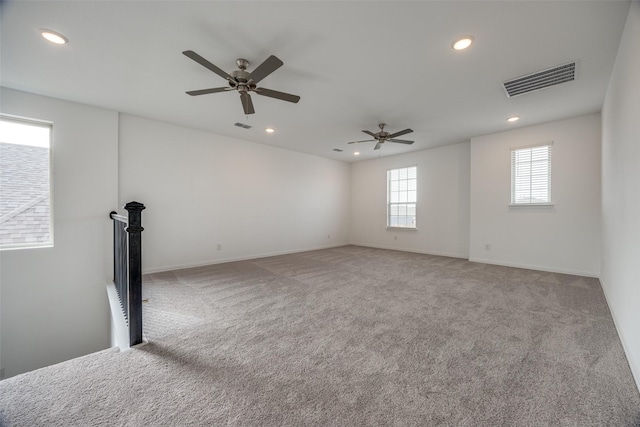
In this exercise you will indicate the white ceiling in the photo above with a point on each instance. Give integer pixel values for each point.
(354, 64)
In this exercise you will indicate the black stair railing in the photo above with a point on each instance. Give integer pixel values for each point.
(127, 266)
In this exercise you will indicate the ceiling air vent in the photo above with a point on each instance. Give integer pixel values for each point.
(540, 80)
(242, 125)
(338, 150)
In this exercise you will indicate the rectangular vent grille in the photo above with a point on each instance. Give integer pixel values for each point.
(242, 125)
(540, 80)
(338, 150)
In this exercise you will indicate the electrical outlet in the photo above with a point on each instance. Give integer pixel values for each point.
(328, 236)
(219, 246)
(487, 247)
(395, 237)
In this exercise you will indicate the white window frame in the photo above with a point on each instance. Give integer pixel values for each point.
(402, 195)
(531, 175)
(43, 124)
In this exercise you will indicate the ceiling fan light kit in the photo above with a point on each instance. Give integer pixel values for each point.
(243, 81)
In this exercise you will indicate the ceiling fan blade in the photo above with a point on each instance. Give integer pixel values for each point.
(247, 104)
(402, 132)
(401, 141)
(278, 95)
(267, 67)
(366, 140)
(200, 60)
(368, 132)
(206, 91)
(377, 147)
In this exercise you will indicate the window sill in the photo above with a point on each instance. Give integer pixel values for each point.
(402, 228)
(26, 246)
(531, 205)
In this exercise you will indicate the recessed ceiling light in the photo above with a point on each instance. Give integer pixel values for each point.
(462, 43)
(357, 153)
(513, 119)
(54, 37)
(269, 130)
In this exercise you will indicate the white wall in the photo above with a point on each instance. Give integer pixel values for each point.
(203, 190)
(621, 191)
(562, 238)
(54, 304)
(442, 209)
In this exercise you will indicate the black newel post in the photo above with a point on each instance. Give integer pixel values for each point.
(135, 271)
(115, 245)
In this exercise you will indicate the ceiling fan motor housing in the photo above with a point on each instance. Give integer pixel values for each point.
(242, 63)
(240, 77)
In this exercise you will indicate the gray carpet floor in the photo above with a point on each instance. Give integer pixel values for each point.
(348, 336)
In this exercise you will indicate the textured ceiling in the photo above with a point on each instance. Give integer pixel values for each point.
(354, 64)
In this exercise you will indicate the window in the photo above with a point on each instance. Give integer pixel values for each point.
(401, 197)
(25, 183)
(531, 175)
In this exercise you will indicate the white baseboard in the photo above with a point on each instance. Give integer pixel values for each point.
(239, 258)
(367, 245)
(635, 369)
(413, 250)
(537, 267)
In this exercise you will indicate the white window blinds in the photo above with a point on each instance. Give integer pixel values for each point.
(402, 197)
(531, 175)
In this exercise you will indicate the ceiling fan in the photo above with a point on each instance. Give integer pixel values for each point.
(383, 136)
(243, 81)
